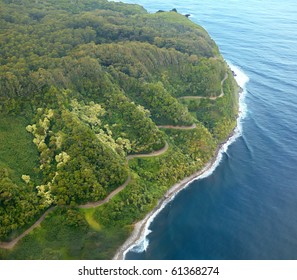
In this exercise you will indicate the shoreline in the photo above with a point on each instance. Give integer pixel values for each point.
(141, 226)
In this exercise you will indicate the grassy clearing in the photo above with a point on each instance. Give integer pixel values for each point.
(90, 219)
(17, 151)
(66, 234)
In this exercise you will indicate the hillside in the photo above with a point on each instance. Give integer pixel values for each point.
(100, 102)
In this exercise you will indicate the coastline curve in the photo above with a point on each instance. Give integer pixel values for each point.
(168, 195)
(141, 229)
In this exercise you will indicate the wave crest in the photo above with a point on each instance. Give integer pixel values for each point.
(242, 79)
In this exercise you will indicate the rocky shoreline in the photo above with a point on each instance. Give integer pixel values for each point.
(140, 227)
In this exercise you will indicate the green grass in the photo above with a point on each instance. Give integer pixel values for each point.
(69, 233)
(89, 216)
(17, 151)
(59, 238)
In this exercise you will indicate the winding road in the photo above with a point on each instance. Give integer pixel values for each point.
(12, 243)
(117, 190)
(206, 97)
(178, 127)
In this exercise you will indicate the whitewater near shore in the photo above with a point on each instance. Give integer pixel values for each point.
(138, 240)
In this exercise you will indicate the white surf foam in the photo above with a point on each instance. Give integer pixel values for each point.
(242, 79)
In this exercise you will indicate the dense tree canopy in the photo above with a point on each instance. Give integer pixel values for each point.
(83, 85)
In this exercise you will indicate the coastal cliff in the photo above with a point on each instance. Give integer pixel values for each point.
(103, 108)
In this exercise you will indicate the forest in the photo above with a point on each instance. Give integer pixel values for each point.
(86, 88)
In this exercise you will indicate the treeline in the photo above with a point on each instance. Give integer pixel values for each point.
(19, 206)
(219, 115)
(83, 84)
(45, 30)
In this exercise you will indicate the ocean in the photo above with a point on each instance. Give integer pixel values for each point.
(246, 207)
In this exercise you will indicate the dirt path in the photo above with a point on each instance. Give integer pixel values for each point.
(109, 197)
(120, 188)
(12, 243)
(152, 154)
(178, 127)
(222, 90)
(205, 97)
(140, 226)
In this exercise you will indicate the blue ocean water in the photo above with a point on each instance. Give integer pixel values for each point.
(246, 209)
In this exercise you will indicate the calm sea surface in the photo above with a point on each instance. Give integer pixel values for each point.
(247, 208)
